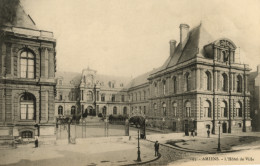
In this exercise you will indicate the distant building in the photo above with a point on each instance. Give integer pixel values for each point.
(198, 86)
(254, 87)
(27, 80)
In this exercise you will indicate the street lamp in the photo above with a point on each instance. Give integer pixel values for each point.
(219, 124)
(163, 120)
(138, 151)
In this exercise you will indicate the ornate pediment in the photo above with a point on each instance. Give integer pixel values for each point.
(225, 43)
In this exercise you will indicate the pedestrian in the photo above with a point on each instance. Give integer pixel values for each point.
(208, 133)
(36, 142)
(192, 132)
(195, 132)
(156, 148)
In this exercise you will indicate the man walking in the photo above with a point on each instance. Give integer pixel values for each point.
(156, 148)
(208, 133)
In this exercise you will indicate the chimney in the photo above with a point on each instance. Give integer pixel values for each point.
(172, 47)
(184, 30)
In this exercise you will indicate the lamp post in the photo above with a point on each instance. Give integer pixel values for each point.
(163, 120)
(138, 151)
(219, 124)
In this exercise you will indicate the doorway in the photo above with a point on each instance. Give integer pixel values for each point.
(224, 127)
(174, 126)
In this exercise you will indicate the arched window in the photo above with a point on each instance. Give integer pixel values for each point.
(144, 95)
(125, 111)
(207, 109)
(174, 84)
(164, 109)
(27, 64)
(155, 107)
(103, 98)
(239, 83)
(223, 106)
(174, 109)
(60, 110)
(208, 80)
(27, 134)
(164, 87)
(73, 110)
(115, 110)
(155, 89)
(188, 109)
(239, 109)
(224, 82)
(90, 96)
(187, 81)
(27, 106)
(140, 96)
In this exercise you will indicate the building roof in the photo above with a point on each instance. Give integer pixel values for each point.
(139, 80)
(21, 19)
(197, 38)
(252, 76)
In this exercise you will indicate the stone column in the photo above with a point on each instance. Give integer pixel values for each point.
(201, 78)
(197, 79)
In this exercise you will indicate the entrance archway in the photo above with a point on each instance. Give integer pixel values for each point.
(91, 111)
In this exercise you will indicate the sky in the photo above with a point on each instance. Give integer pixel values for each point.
(131, 37)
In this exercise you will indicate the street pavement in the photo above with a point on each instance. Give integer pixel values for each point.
(123, 151)
(86, 152)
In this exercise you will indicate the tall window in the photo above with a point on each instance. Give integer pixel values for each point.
(140, 110)
(207, 109)
(155, 107)
(174, 109)
(73, 110)
(60, 110)
(103, 97)
(239, 109)
(187, 81)
(27, 64)
(224, 82)
(144, 95)
(223, 106)
(90, 96)
(140, 96)
(122, 98)
(174, 85)
(115, 110)
(164, 87)
(60, 96)
(27, 106)
(239, 83)
(125, 111)
(144, 109)
(164, 109)
(208, 80)
(113, 99)
(188, 109)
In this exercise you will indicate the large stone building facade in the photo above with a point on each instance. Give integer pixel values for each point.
(254, 87)
(27, 80)
(199, 86)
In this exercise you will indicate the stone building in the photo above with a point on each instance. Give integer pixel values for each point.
(254, 87)
(90, 94)
(199, 85)
(27, 80)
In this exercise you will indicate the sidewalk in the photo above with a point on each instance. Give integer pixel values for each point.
(228, 142)
(86, 152)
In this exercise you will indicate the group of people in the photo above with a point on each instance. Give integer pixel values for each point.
(193, 132)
